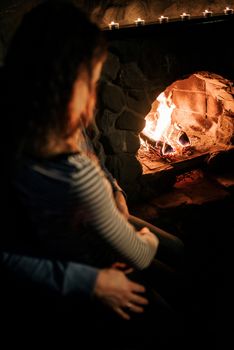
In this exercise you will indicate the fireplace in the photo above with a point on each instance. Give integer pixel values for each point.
(151, 67)
(192, 117)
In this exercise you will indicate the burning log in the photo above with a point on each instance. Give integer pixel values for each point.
(161, 148)
(148, 139)
(166, 148)
(183, 139)
(194, 113)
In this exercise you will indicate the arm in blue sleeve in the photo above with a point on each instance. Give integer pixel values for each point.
(63, 278)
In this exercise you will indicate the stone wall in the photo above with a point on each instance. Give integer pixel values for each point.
(126, 12)
(104, 11)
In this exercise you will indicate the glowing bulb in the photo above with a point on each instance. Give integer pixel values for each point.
(140, 22)
(207, 13)
(163, 19)
(113, 25)
(185, 16)
(228, 11)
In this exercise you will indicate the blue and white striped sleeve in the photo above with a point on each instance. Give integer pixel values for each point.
(95, 195)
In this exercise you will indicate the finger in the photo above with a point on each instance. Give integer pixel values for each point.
(137, 287)
(122, 313)
(122, 267)
(144, 231)
(136, 308)
(119, 265)
(138, 299)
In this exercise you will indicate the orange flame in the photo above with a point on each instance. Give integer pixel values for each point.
(158, 123)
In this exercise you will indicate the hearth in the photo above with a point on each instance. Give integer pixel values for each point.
(193, 117)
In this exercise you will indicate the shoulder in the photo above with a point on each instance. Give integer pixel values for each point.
(73, 173)
(62, 168)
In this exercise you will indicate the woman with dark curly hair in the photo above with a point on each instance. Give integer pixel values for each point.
(52, 68)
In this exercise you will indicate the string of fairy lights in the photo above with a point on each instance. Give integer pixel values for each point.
(164, 19)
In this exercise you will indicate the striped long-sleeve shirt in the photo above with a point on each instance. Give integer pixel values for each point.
(71, 206)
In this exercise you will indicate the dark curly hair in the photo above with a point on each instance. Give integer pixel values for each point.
(53, 42)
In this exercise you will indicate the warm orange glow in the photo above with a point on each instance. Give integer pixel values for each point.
(191, 115)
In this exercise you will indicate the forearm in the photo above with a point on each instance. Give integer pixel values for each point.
(97, 199)
(61, 278)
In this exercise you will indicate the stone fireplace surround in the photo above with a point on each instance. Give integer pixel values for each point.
(142, 62)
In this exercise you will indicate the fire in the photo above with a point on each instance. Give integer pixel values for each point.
(158, 124)
(168, 136)
(192, 116)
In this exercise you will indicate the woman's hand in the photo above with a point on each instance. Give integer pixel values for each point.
(148, 236)
(114, 289)
(122, 267)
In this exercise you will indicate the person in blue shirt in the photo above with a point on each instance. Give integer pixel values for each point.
(109, 286)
